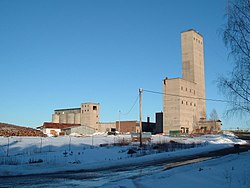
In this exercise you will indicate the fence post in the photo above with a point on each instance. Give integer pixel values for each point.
(8, 147)
(69, 143)
(92, 140)
(41, 144)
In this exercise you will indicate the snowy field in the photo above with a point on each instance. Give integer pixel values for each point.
(231, 171)
(34, 155)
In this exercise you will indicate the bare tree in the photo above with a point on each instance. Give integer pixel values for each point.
(213, 115)
(236, 36)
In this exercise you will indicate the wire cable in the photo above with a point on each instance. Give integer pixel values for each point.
(131, 107)
(175, 95)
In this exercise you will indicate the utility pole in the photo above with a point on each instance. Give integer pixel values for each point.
(140, 94)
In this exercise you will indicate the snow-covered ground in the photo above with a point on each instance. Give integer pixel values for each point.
(228, 171)
(32, 155)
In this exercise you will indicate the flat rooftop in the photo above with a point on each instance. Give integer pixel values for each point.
(65, 109)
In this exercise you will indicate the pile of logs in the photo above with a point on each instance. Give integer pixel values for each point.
(13, 130)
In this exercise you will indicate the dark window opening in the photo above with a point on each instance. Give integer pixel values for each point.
(94, 107)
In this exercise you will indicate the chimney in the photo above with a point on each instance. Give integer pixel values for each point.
(148, 119)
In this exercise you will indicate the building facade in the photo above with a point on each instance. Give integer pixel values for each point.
(106, 126)
(90, 114)
(127, 126)
(148, 126)
(184, 98)
(159, 122)
(71, 116)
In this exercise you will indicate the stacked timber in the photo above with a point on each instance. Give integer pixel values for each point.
(14, 130)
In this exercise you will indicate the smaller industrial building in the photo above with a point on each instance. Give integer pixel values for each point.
(80, 130)
(208, 126)
(134, 126)
(83, 120)
(86, 115)
(55, 129)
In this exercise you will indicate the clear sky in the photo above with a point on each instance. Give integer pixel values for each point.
(60, 53)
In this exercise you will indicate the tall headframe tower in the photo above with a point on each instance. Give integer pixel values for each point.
(184, 104)
(193, 65)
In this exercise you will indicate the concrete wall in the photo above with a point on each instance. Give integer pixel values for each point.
(193, 65)
(188, 106)
(63, 118)
(55, 118)
(106, 127)
(171, 105)
(83, 130)
(78, 118)
(209, 126)
(71, 116)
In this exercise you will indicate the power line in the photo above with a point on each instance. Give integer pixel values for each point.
(132, 106)
(175, 95)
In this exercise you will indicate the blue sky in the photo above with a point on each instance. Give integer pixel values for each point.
(59, 53)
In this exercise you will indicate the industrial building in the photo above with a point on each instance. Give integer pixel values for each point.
(55, 129)
(184, 104)
(86, 115)
(148, 126)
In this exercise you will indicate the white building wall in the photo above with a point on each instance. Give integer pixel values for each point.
(48, 131)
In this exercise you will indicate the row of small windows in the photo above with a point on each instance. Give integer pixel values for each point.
(94, 108)
(197, 40)
(85, 110)
(190, 90)
(188, 103)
